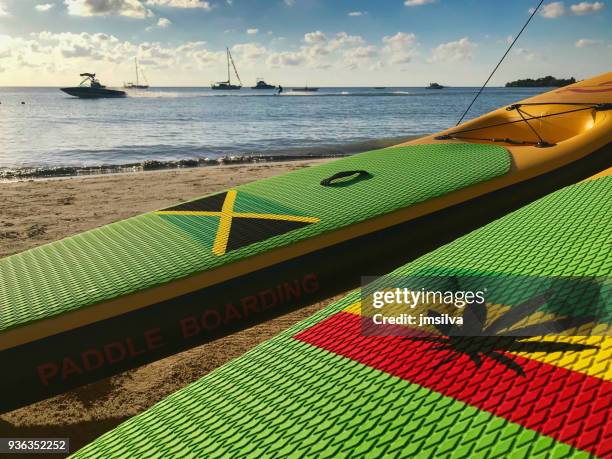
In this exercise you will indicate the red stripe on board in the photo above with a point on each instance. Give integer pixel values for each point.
(566, 405)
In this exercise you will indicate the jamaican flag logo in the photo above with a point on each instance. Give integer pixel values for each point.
(232, 220)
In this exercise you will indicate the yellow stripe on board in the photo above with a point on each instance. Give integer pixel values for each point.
(289, 218)
(225, 223)
(593, 362)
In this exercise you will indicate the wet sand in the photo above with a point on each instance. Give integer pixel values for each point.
(36, 212)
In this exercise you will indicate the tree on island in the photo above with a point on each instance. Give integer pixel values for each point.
(547, 81)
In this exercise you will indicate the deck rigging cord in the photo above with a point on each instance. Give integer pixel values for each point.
(540, 143)
(500, 61)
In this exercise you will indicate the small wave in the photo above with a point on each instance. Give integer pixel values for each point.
(158, 94)
(348, 94)
(8, 174)
(293, 154)
(180, 94)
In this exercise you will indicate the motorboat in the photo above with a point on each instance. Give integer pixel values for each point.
(91, 88)
(261, 84)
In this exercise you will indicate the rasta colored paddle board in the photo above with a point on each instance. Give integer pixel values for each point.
(116, 297)
(327, 388)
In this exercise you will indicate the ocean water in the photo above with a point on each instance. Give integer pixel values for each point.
(54, 130)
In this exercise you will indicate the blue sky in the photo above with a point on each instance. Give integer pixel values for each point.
(319, 42)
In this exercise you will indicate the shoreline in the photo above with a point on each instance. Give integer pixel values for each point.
(12, 174)
(122, 173)
(8, 175)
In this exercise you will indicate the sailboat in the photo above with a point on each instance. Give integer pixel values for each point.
(137, 85)
(225, 85)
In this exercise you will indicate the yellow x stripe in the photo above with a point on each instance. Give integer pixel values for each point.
(225, 219)
(225, 223)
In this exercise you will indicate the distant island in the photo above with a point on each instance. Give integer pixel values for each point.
(547, 81)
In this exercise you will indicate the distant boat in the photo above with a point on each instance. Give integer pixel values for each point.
(304, 89)
(261, 84)
(435, 86)
(227, 85)
(91, 88)
(380, 87)
(137, 85)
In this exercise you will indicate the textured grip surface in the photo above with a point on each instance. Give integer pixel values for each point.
(322, 389)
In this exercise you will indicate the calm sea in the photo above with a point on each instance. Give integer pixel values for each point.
(52, 130)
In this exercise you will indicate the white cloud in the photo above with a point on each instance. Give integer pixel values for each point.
(129, 8)
(584, 42)
(356, 13)
(361, 52)
(289, 2)
(205, 5)
(249, 51)
(583, 8)
(453, 51)
(285, 59)
(44, 7)
(55, 46)
(315, 37)
(252, 31)
(418, 2)
(5, 51)
(3, 11)
(552, 10)
(557, 9)
(62, 53)
(360, 57)
(527, 54)
(399, 41)
(344, 39)
(401, 47)
(164, 22)
(315, 53)
(319, 51)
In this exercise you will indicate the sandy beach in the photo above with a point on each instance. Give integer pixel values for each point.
(37, 212)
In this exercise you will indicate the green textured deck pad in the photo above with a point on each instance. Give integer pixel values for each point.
(157, 248)
(323, 389)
